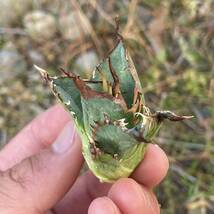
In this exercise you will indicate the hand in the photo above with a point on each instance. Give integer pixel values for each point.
(39, 171)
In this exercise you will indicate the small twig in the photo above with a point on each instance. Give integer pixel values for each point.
(102, 13)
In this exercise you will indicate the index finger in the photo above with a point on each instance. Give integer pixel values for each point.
(149, 173)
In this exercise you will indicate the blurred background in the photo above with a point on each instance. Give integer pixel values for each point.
(172, 45)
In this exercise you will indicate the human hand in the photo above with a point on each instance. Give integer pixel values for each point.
(39, 171)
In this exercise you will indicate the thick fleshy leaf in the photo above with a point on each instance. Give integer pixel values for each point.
(69, 95)
(94, 110)
(113, 140)
(125, 70)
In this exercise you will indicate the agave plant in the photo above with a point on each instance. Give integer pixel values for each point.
(110, 114)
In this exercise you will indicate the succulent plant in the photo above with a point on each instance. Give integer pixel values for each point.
(110, 114)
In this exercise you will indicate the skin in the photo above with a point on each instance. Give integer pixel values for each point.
(35, 179)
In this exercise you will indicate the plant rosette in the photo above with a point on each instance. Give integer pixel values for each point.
(110, 113)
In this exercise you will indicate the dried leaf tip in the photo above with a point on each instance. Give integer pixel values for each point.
(117, 27)
(161, 115)
(43, 73)
(41, 70)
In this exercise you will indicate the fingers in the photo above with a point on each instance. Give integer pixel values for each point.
(126, 196)
(153, 168)
(38, 134)
(87, 187)
(130, 197)
(103, 205)
(149, 173)
(39, 182)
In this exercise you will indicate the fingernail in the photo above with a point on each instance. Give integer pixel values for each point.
(65, 139)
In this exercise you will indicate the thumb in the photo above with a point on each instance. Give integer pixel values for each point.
(37, 183)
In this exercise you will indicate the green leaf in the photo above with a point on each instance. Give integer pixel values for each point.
(124, 67)
(113, 140)
(69, 95)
